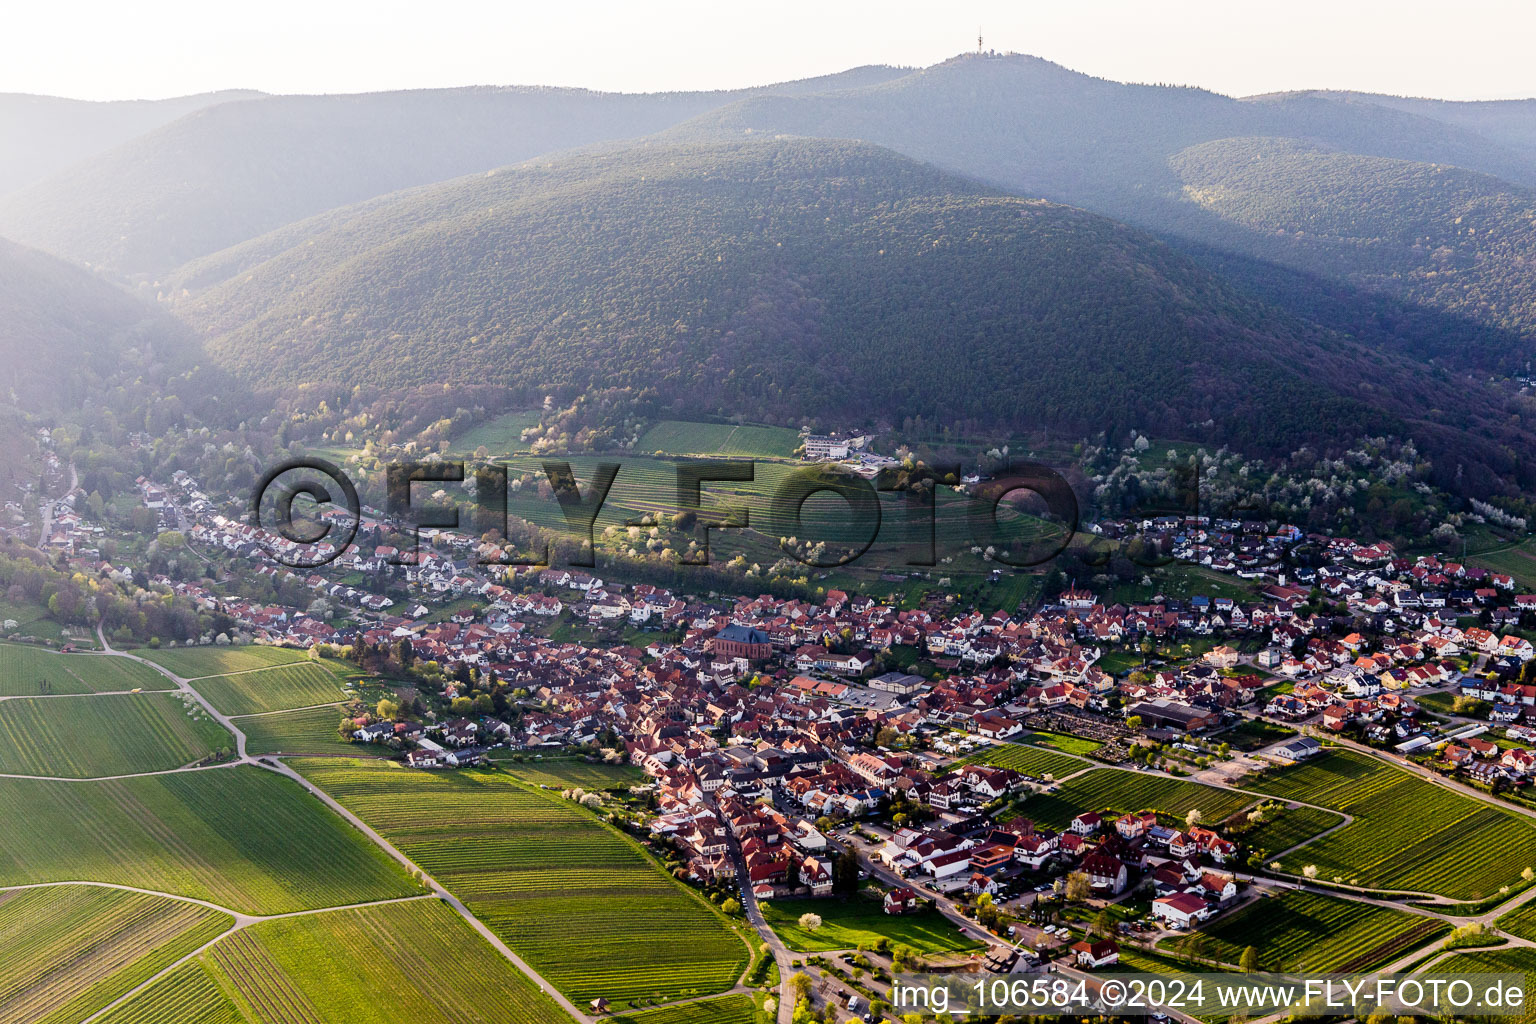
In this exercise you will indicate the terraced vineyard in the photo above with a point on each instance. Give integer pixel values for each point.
(241, 837)
(301, 685)
(737, 1009)
(1036, 761)
(1124, 791)
(415, 961)
(34, 671)
(69, 951)
(311, 731)
(1307, 932)
(1408, 833)
(1284, 829)
(91, 737)
(578, 901)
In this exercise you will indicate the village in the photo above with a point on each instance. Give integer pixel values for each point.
(787, 741)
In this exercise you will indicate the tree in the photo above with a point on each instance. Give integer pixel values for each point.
(1193, 818)
(1248, 963)
(810, 922)
(389, 710)
(1310, 871)
(1078, 886)
(1133, 723)
(1104, 924)
(731, 907)
(845, 873)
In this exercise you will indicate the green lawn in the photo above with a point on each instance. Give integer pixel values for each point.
(1251, 734)
(71, 950)
(416, 961)
(35, 671)
(1061, 741)
(241, 837)
(502, 435)
(1307, 932)
(1408, 833)
(90, 737)
(575, 898)
(861, 922)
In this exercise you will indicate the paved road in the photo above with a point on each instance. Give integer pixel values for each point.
(781, 953)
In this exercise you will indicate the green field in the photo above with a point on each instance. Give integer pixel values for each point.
(1030, 760)
(311, 731)
(737, 1009)
(241, 837)
(1408, 833)
(91, 737)
(286, 687)
(862, 922)
(576, 899)
(675, 437)
(1061, 741)
(196, 662)
(1284, 829)
(1305, 932)
(35, 671)
(1251, 734)
(1107, 789)
(69, 951)
(502, 435)
(576, 774)
(415, 961)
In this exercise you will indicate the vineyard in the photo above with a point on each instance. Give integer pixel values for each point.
(241, 837)
(188, 995)
(69, 951)
(90, 737)
(572, 774)
(311, 731)
(1034, 761)
(1125, 791)
(35, 671)
(1521, 921)
(303, 685)
(413, 961)
(737, 1009)
(575, 899)
(1408, 833)
(1306, 932)
(197, 662)
(1282, 830)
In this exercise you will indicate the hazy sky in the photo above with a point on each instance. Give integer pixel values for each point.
(1474, 49)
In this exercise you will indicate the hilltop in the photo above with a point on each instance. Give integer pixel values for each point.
(232, 171)
(782, 280)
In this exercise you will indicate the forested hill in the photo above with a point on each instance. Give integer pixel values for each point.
(62, 330)
(789, 279)
(1038, 129)
(1439, 236)
(46, 134)
(233, 171)
(1511, 123)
